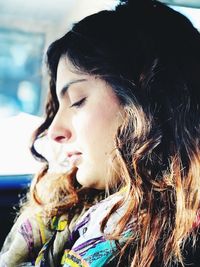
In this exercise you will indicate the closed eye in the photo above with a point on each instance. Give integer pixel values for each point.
(79, 103)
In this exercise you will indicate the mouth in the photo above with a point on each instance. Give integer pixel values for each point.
(74, 158)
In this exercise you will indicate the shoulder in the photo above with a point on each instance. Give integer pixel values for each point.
(24, 239)
(88, 244)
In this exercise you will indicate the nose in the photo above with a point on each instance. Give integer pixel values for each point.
(59, 130)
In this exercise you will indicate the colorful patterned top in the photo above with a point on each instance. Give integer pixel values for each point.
(79, 244)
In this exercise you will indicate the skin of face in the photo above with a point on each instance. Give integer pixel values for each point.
(88, 117)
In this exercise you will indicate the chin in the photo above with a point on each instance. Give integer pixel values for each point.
(82, 180)
(89, 183)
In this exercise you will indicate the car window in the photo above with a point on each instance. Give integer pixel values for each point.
(186, 3)
(20, 61)
(26, 29)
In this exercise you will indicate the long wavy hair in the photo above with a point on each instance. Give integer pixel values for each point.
(150, 56)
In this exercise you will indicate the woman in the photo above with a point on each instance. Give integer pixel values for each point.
(124, 106)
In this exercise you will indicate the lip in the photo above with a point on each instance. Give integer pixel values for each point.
(72, 153)
(74, 157)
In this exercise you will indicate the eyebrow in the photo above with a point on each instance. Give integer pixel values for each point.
(66, 87)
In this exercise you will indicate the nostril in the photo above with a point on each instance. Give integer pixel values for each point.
(59, 135)
(60, 139)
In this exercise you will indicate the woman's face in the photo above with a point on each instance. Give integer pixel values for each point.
(86, 123)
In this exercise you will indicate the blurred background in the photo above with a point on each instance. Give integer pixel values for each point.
(26, 30)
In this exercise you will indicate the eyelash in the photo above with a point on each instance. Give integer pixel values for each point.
(79, 103)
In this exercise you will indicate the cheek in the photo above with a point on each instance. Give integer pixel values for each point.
(86, 125)
(97, 121)
(95, 129)
(100, 116)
